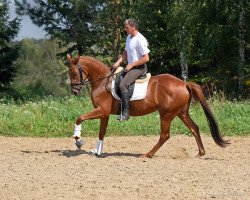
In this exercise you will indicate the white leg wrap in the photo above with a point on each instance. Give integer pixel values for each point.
(77, 131)
(98, 149)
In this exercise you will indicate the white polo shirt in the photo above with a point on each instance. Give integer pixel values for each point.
(136, 47)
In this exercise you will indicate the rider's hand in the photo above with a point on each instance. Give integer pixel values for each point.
(128, 67)
(116, 65)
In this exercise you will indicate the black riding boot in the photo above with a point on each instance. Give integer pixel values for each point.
(125, 107)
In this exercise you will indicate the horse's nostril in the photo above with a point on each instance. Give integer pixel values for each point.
(75, 91)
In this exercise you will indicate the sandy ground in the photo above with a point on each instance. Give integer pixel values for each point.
(41, 168)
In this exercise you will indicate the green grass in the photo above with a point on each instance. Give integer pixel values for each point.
(55, 117)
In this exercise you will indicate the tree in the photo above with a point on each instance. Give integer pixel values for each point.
(69, 21)
(112, 34)
(243, 10)
(155, 23)
(183, 15)
(204, 41)
(222, 41)
(8, 49)
(39, 71)
(92, 27)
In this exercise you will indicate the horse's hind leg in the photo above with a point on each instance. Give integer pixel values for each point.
(164, 135)
(187, 120)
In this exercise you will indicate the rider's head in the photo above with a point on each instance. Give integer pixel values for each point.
(131, 26)
(132, 23)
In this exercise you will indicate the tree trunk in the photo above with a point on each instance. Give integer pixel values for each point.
(116, 30)
(183, 58)
(184, 66)
(242, 42)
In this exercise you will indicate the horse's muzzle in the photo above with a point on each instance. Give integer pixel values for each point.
(76, 89)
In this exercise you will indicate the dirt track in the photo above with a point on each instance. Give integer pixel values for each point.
(40, 168)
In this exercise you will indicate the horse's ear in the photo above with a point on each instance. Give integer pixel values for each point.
(69, 57)
(76, 59)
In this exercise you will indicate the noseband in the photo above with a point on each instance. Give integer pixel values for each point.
(81, 82)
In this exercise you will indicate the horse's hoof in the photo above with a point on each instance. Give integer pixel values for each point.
(142, 156)
(124, 118)
(145, 156)
(79, 143)
(199, 155)
(94, 152)
(99, 156)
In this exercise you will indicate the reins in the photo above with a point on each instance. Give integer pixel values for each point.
(84, 82)
(112, 74)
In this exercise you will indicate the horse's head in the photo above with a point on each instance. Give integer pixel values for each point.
(76, 74)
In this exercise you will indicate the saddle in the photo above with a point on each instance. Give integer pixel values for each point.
(137, 90)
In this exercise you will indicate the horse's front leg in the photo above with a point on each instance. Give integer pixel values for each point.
(95, 114)
(99, 144)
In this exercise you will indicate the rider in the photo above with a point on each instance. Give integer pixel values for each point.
(136, 53)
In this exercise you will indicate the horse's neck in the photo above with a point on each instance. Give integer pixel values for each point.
(96, 69)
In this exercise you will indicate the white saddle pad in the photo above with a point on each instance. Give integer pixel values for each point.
(140, 91)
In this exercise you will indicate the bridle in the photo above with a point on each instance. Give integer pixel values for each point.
(81, 82)
(84, 82)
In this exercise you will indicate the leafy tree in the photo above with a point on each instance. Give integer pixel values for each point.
(69, 21)
(218, 42)
(39, 71)
(154, 21)
(8, 49)
(244, 46)
(112, 34)
(207, 39)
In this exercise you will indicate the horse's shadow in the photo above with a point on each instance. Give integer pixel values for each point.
(75, 153)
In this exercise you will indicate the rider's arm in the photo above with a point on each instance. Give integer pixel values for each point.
(143, 60)
(121, 59)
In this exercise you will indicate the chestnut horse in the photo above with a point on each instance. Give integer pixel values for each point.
(166, 94)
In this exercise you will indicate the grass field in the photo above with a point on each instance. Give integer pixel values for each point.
(55, 117)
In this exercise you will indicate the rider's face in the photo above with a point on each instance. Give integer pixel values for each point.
(129, 29)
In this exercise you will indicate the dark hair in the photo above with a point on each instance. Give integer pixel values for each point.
(132, 23)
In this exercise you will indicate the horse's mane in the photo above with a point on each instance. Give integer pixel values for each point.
(91, 59)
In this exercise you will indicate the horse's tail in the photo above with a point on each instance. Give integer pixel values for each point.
(198, 95)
